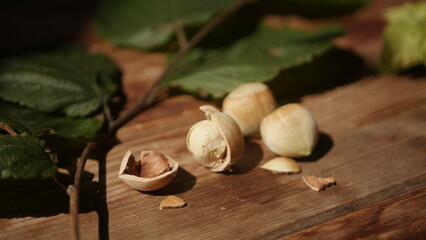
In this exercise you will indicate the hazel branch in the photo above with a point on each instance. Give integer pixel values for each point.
(107, 112)
(150, 95)
(81, 163)
(74, 190)
(73, 205)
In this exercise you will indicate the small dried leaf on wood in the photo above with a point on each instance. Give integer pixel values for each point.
(318, 183)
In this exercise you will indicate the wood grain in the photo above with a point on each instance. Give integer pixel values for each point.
(390, 219)
(371, 161)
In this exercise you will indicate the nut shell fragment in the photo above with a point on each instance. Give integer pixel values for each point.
(172, 202)
(318, 183)
(282, 165)
(130, 174)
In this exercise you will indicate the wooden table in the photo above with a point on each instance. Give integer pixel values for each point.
(373, 142)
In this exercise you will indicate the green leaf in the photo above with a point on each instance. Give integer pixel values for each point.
(148, 24)
(23, 119)
(259, 57)
(68, 81)
(405, 37)
(23, 157)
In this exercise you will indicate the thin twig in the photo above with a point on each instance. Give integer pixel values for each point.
(81, 163)
(74, 189)
(107, 112)
(149, 97)
(180, 34)
(73, 193)
(7, 128)
(56, 180)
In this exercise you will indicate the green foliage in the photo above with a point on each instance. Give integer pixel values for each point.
(148, 24)
(47, 97)
(68, 81)
(23, 157)
(259, 57)
(37, 123)
(405, 37)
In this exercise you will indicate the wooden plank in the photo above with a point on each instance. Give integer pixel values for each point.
(371, 160)
(390, 219)
(179, 112)
(55, 227)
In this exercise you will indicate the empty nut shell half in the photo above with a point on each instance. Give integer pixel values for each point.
(131, 171)
(282, 165)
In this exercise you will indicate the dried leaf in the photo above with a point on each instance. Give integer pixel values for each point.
(318, 183)
(172, 202)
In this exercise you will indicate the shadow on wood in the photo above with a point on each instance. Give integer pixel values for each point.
(324, 145)
(252, 156)
(184, 181)
(417, 72)
(43, 197)
(332, 69)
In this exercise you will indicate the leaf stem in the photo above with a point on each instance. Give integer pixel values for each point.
(7, 128)
(107, 112)
(180, 34)
(59, 183)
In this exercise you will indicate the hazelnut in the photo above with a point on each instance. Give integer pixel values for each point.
(248, 104)
(290, 131)
(216, 143)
